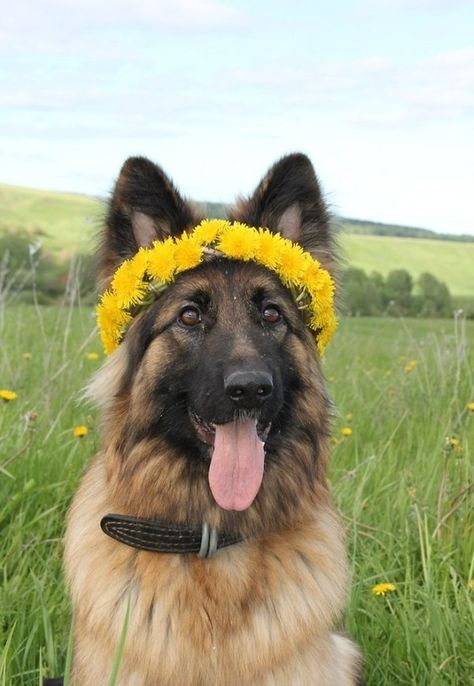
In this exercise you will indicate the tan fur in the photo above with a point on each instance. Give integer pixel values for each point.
(258, 613)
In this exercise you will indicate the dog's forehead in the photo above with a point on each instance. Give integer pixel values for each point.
(230, 281)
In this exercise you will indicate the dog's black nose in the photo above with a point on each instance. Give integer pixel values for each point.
(248, 389)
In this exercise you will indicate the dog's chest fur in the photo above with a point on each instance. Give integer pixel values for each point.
(246, 616)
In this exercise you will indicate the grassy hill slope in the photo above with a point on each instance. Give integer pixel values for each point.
(451, 262)
(65, 222)
(68, 223)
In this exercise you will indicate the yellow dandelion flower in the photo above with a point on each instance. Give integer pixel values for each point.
(291, 264)
(92, 356)
(454, 442)
(187, 253)
(268, 248)
(111, 320)
(128, 284)
(7, 395)
(312, 275)
(80, 431)
(346, 431)
(209, 229)
(161, 264)
(470, 407)
(383, 589)
(27, 356)
(410, 366)
(238, 242)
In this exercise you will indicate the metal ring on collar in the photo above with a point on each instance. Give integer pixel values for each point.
(208, 541)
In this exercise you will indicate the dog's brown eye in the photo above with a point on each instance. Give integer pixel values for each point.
(189, 316)
(271, 315)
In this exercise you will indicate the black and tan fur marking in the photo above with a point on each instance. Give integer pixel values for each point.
(261, 612)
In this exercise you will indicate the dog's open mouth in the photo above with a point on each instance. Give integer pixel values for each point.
(237, 459)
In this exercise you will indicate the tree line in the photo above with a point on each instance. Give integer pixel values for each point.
(396, 295)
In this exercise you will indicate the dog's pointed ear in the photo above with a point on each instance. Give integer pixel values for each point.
(145, 206)
(288, 200)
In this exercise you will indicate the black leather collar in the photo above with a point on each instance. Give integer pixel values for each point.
(161, 537)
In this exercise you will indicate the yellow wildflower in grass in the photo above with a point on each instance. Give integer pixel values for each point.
(454, 442)
(27, 356)
(7, 395)
(80, 431)
(128, 284)
(92, 356)
(161, 264)
(346, 431)
(187, 253)
(349, 417)
(470, 407)
(410, 366)
(383, 589)
(239, 242)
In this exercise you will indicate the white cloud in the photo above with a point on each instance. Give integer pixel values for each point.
(55, 25)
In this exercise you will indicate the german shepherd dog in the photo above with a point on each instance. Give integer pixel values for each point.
(216, 425)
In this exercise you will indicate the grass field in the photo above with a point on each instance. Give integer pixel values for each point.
(68, 223)
(402, 481)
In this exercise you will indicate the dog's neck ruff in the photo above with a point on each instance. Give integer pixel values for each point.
(138, 281)
(162, 537)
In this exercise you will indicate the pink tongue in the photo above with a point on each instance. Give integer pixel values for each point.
(236, 470)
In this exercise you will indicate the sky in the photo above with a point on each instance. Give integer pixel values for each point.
(378, 93)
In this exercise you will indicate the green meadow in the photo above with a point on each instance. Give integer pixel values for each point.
(402, 480)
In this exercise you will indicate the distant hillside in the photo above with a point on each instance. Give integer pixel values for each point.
(64, 222)
(68, 223)
(359, 226)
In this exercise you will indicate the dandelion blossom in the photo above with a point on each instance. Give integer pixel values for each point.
(238, 242)
(7, 395)
(383, 589)
(187, 253)
(161, 264)
(80, 431)
(470, 407)
(346, 431)
(128, 284)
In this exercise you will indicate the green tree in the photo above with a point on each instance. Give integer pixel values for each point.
(398, 292)
(435, 297)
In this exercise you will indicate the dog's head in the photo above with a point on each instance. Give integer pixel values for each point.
(216, 388)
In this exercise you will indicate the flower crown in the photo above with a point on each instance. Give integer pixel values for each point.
(138, 281)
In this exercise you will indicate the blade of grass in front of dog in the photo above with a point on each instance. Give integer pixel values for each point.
(68, 665)
(121, 643)
(4, 656)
